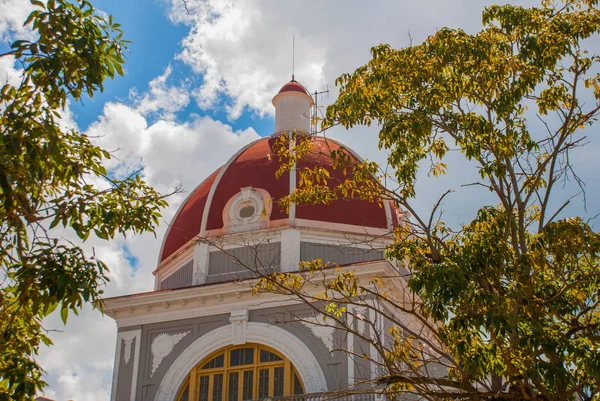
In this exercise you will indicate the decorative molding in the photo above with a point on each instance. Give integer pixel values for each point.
(128, 338)
(282, 340)
(162, 345)
(149, 309)
(319, 328)
(248, 210)
(239, 322)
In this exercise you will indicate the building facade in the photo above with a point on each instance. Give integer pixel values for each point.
(202, 335)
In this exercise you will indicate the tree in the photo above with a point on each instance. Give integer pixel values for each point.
(507, 306)
(53, 181)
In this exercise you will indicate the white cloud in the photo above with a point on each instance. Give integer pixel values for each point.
(162, 99)
(244, 48)
(233, 45)
(8, 73)
(14, 13)
(172, 154)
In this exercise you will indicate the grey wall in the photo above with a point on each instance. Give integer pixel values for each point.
(334, 365)
(125, 373)
(181, 278)
(338, 254)
(233, 263)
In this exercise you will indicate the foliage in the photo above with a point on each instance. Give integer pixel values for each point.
(507, 307)
(53, 184)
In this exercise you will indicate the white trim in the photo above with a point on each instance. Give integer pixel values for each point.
(350, 347)
(273, 336)
(339, 239)
(388, 215)
(113, 391)
(243, 239)
(212, 309)
(374, 319)
(190, 302)
(179, 209)
(136, 362)
(216, 182)
(347, 228)
(127, 336)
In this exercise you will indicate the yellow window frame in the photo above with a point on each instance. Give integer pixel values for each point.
(192, 382)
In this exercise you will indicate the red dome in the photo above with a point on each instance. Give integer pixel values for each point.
(293, 86)
(255, 166)
(187, 221)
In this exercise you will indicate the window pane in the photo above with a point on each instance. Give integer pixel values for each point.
(203, 393)
(184, 395)
(216, 362)
(241, 356)
(297, 385)
(248, 356)
(266, 356)
(234, 357)
(248, 385)
(278, 382)
(219, 361)
(233, 386)
(218, 387)
(263, 383)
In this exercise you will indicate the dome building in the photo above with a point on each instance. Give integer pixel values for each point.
(202, 335)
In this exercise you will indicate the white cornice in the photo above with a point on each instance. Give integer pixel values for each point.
(311, 231)
(210, 300)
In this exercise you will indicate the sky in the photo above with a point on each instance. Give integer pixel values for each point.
(197, 87)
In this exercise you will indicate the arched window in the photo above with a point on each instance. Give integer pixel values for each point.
(241, 373)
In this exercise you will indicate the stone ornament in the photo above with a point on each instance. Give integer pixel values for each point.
(161, 347)
(248, 210)
(128, 338)
(239, 323)
(320, 329)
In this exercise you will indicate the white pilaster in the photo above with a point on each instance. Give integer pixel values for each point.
(290, 250)
(125, 339)
(350, 347)
(200, 264)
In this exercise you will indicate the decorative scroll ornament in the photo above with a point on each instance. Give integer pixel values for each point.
(128, 338)
(320, 329)
(239, 322)
(161, 347)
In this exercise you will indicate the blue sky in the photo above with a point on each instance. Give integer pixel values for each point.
(155, 41)
(197, 88)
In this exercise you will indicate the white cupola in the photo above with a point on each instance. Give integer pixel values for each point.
(292, 108)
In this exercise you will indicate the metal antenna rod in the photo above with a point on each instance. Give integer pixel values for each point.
(293, 55)
(314, 122)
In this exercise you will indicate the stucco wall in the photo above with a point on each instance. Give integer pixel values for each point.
(150, 374)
